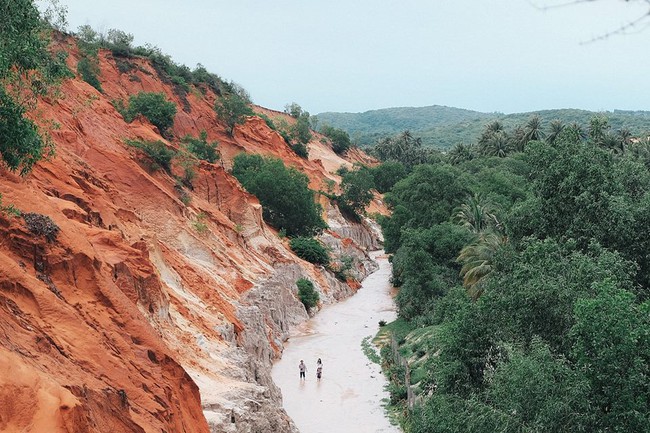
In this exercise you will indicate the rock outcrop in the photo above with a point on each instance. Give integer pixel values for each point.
(151, 311)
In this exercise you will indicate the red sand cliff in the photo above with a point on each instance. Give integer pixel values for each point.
(99, 329)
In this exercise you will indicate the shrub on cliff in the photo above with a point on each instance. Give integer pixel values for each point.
(27, 70)
(160, 156)
(233, 109)
(201, 148)
(9, 210)
(340, 139)
(307, 294)
(287, 202)
(41, 225)
(310, 249)
(153, 106)
(88, 68)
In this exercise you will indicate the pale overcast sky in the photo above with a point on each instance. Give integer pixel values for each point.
(358, 55)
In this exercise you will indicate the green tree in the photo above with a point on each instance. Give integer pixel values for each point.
(461, 153)
(425, 198)
(612, 348)
(540, 391)
(159, 154)
(339, 138)
(387, 174)
(478, 261)
(404, 148)
(556, 128)
(286, 199)
(533, 130)
(357, 188)
(233, 109)
(294, 110)
(477, 214)
(155, 107)
(25, 71)
(307, 294)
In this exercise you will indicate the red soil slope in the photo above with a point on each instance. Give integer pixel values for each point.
(99, 327)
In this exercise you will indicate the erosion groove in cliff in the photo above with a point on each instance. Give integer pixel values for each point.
(132, 319)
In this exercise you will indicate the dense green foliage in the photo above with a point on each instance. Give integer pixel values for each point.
(444, 127)
(310, 249)
(88, 68)
(155, 107)
(160, 156)
(179, 76)
(288, 203)
(201, 148)
(88, 65)
(387, 174)
(525, 268)
(233, 109)
(26, 70)
(340, 139)
(357, 186)
(307, 294)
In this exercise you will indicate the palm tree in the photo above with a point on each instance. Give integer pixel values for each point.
(624, 138)
(576, 131)
(612, 142)
(477, 260)
(460, 153)
(490, 130)
(556, 129)
(497, 145)
(598, 128)
(518, 139)
(477, 214)
(534, 131)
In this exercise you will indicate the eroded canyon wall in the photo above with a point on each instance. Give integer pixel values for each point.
(135, 318)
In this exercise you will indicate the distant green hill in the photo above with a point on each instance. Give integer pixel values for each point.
(443, 127)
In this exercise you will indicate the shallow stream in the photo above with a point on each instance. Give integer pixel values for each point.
(348, 398)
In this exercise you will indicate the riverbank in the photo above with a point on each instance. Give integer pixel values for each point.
(349, 398)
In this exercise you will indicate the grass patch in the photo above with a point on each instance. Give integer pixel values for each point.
(369, 350)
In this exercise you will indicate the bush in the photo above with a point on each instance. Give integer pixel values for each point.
(284, 193)
(88, 68)
(119, 42)
(153, 106)
(300, 150)
(157, 151)
(9, 209)
(310, 249)
(199, 223)
(41, 225)
(21, 146)
(200, 147)
(233, 109)
(340, 139)
(306, 293)
(268, 121)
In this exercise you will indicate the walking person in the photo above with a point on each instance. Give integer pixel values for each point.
(303, 368)
(319, 369)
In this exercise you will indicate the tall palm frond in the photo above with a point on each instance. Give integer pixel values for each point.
(534, 131)
(477, 214)
(477, 260)
(556, 129)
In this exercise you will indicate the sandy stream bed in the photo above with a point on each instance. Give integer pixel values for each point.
(348, 399)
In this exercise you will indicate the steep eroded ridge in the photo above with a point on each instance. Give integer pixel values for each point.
(132, 319)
